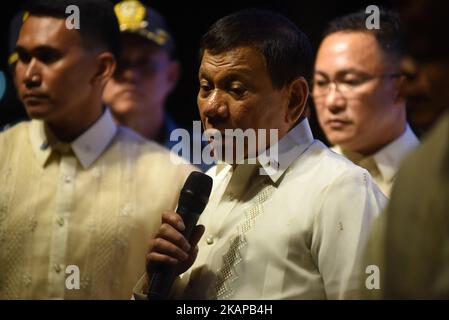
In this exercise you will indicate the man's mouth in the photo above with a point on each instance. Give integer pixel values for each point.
(337, 123)
(31, 99)
(129, 91)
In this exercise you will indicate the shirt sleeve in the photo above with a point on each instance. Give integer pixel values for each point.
(341, 225)
(374, 255)
(176, 292)
(138, 293)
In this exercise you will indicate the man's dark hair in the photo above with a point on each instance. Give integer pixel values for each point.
(388, 36)
(287, 50)
(98, 23)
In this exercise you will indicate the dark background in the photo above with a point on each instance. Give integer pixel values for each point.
(188, 21)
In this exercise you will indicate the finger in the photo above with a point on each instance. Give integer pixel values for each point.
(164, 247)
(169, 233)
(173, 219)
(196, 236)
(155, 258)
(158, 262)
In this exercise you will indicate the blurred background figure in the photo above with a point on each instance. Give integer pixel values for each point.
(410, 241)
(147, 72)
(356, 90)
(2, 84)
(11, 109)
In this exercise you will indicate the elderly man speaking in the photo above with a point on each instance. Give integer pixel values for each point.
(294, 232)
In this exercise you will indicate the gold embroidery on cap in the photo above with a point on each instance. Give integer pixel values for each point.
(131, 15)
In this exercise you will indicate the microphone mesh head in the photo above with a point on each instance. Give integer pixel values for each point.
(199, 183)
(197, 188)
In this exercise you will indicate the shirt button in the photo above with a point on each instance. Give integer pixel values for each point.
(209, 240)
(57, 268)
(230, 197)
(67, 179)
(26, 279)
(60, 221)
(44, 146)
(96, 173)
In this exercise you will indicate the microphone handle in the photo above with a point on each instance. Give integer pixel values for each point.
(162, 280)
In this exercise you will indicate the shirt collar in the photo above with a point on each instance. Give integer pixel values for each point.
(87, 147)
(389, 158)
(280, 156)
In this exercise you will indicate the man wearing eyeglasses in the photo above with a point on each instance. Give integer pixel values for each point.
(356, 92)
(146, 72)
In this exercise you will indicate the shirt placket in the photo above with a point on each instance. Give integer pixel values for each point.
(60, 226)
(226, 216)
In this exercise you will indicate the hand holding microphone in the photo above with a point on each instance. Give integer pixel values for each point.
(174, 250)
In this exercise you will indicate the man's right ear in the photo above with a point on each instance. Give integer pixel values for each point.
(106, 65)
(298, 97)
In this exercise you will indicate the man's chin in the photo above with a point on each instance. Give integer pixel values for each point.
(37, 112)
(339, 139)
(124, 107)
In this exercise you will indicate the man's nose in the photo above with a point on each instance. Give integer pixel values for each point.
(216, 105)
(127, 74)
(33, 75)
(334, 100)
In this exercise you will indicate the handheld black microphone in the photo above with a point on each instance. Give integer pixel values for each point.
(192, 201)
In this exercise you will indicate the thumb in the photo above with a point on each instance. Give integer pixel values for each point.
(194, 239)
(196, 235)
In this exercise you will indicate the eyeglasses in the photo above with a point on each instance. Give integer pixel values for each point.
(349, 88)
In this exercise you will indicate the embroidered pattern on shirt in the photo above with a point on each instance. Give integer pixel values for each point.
(227, 273)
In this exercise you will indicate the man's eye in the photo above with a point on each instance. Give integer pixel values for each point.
(321, 83)
(352, 82)
(48, 57)
(205, 87)
(24, 57)
(238, 91)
